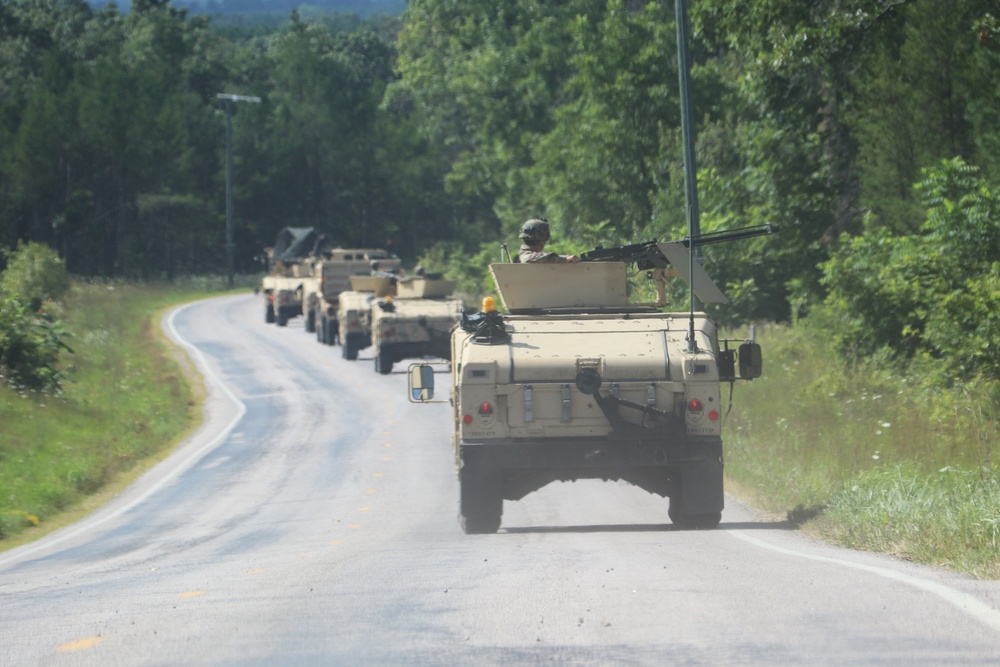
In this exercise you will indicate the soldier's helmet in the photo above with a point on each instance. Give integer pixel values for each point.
(535, 231)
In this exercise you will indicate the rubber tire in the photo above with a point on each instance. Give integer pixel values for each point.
(479, 525)
(311, 321)
(704, 521)
(282, 319)
(268, 314)
(321, 330)
(349, 351)
(383, 362)
(480, 505)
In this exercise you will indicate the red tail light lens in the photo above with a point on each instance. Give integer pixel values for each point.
(467, 419)
(713, 416)
(485, 409)
(695, 405)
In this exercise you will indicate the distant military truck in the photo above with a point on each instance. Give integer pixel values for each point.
(289, 266)
(417, 322)
(284, 293)
(354, 312)
(333, 273)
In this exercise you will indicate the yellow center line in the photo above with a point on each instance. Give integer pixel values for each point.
(191, 594)
(88, 642)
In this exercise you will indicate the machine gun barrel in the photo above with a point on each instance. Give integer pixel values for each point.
(731, 235)
(647, 255)
(624, 253)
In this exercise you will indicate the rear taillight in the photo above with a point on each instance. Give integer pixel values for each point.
(484, 412)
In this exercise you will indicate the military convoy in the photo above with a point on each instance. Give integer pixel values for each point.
(342, 293)
(574, 382)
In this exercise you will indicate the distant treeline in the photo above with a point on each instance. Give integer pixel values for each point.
(362, 8)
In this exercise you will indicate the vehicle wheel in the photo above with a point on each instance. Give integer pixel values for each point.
(703, 521)
(481, 494)
(311, 321)
(383, 362)
(321, 330)
(269, 314)
(479, 525)
(281, 319)
(349, 351)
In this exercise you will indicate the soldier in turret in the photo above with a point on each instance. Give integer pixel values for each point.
(535, 234)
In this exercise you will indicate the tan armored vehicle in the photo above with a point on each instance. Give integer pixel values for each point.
(333, 274)
(354, 312)
(574, 382)
(417, 322)
(283, 290)
(289, 267)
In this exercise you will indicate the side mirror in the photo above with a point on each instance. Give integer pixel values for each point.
(751, 363)
(421, 383)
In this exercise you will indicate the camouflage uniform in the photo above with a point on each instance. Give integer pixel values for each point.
(528, 256)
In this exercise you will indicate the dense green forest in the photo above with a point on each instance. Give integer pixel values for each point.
(868, 130)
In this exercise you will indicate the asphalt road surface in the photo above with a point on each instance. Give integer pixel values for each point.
(312, 521)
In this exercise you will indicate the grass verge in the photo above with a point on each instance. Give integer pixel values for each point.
(125, 405)
(866, 458)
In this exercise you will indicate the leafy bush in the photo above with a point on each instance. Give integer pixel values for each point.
(930, 297)
(30, 344)
(31, 340)
(35, 273)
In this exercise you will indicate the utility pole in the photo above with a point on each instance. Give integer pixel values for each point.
(230, 245)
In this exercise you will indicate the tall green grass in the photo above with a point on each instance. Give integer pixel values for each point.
(867, 457)
(126, 400)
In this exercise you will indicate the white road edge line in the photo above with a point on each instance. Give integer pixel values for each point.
(84, 525)
(966, 603)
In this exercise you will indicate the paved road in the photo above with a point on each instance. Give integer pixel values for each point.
(312, 522)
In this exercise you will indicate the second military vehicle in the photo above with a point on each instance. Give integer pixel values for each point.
(574, 382)
(354, 312)
(417, 322)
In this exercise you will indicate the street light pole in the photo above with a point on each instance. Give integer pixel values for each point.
(230, 245)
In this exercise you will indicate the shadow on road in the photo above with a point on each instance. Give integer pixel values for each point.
(649, 528)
